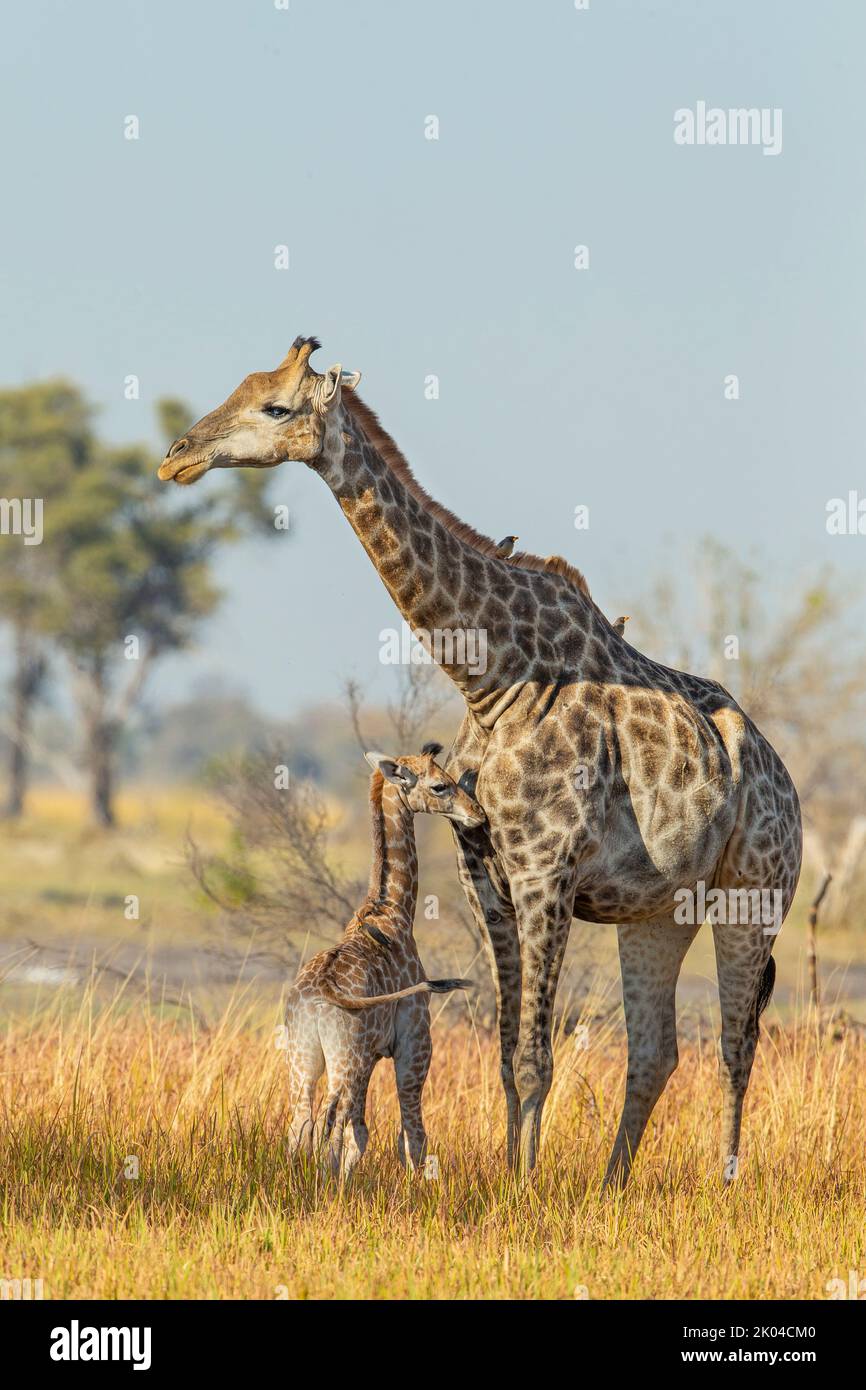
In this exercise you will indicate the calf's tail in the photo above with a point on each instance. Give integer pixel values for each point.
(350, 1001)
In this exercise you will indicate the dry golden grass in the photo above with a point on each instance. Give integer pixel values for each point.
(219, 1211)
(53, 810)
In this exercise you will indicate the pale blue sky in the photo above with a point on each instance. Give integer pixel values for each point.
(455, 257)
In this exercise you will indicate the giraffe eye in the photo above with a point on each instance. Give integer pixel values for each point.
(276, 412)
(440, 789)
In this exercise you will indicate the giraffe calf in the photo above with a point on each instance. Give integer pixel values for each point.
(368, 996)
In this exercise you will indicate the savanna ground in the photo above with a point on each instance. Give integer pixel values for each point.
(142, 1123)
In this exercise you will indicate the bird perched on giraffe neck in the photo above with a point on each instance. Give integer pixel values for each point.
(619, 626)
(505, 547)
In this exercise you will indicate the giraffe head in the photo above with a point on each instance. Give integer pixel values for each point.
(424, 786)
(270, 417)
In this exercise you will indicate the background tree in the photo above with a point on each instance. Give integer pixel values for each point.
(123, 573)
(132, 571)
(132, 582)
(289, 880)
(798, 672)
(45, 439)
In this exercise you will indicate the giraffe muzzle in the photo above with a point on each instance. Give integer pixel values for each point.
(182, 464)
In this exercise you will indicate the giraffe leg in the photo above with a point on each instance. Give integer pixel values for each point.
(306, 1064)
(651, 955)
(330, 1136)
(355, 1131)
(343, 1039)
(345, 1130)
(504, 956)
(746, 972)
(497, 927)
(544, 917)
(412, 1054)
(302, 1090)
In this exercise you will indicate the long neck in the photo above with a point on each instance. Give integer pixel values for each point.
(394, 871)
(448, 590)
(491, 625)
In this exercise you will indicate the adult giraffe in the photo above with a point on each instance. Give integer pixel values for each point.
(612, 784)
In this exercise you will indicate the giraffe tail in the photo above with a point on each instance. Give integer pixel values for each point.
(371, 1001)
(765, 989)
(446, 986)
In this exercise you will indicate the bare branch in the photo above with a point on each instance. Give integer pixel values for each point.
(280, 878)
(353, 695)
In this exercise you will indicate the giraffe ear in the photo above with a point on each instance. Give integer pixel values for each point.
(380, 762)
(328, 387)
(391, 770)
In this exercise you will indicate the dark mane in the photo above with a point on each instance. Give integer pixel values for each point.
(377, 834)
(390, 455)
(370, 908)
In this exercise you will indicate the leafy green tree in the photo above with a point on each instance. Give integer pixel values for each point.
(123, 573)
(45, 438)
(132, 584)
